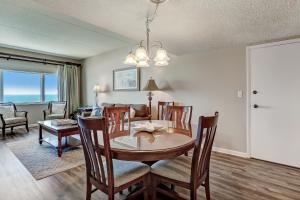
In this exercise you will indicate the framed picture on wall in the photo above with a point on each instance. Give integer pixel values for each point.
(126, 79)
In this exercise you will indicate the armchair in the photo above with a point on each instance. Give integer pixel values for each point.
(11, 118)
(56, 110)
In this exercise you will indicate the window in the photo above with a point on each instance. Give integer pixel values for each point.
(51, 87)
(28, 87)
(20, 87)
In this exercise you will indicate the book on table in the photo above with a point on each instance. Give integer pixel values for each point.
(63, 122)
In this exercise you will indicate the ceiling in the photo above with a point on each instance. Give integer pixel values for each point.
(81, 28)
(27, 26)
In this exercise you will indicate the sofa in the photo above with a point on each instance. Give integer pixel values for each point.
(142, 111)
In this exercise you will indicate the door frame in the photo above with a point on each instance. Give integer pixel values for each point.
(248, 80)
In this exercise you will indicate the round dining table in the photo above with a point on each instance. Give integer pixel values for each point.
(172, 139)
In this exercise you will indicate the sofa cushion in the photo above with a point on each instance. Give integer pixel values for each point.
(107, 104)
(15, 120)
(122, 105)
(140, 110)
(7, 111)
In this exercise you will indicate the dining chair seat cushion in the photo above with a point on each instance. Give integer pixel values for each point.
(55, 116)
(15, 120)
(126, 171)
(177, 169)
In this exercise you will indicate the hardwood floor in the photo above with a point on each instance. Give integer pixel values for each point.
(232, 178)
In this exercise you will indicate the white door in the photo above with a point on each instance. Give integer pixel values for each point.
(275, 102)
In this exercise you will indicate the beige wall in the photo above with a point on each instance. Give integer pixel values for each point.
(34, 110)
(208, 81)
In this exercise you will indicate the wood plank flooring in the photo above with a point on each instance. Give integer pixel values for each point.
(232, 178)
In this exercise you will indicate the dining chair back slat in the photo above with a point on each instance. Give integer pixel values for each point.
(179, 114)
(89, 129)
(162, 109)
(117, 115)
(167, 171)
(207, 127)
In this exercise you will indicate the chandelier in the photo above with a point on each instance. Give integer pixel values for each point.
(142, 54)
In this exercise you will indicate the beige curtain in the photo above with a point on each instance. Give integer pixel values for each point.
(69, 88)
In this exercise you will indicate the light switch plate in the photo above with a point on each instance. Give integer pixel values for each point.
(240, 94)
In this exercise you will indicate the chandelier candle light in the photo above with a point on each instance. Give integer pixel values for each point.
(142, 54)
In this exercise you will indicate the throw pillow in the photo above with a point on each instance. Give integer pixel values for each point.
(7, 111)
(132, 112)
(96, 112)
(58, 108)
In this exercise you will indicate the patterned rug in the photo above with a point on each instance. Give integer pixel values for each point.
(42, 160)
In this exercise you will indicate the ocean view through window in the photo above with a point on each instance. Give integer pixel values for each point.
(29, 87)
(51, 93)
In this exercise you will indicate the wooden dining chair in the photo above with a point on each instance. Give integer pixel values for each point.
(162, 108)
(111, 176)
(180, 114)
(117, 115)
(187, 172)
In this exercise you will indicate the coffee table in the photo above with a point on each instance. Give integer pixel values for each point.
(64, 135)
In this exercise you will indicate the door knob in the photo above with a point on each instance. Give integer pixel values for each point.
(255, 106)
(254, 92)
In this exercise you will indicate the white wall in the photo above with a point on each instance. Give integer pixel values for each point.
(34, 110)
(208, 81)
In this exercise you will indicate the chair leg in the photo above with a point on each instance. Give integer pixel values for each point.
(153, 189)
(12, 129)
(88, 190)
(27, 129)
(146, 195)
(172, 187)
(207, 189)
(147, 184)
(111, 196)
(3, 132)
(194, 194)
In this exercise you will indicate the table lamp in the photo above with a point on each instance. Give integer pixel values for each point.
(151, 86)
(96, 89)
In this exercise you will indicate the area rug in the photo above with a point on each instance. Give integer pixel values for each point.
(42, 160)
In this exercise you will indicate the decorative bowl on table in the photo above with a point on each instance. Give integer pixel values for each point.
(147, 127)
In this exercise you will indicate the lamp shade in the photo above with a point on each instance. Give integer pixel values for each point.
(142, 64)
(130, 59)
(141, 54)
(97, 88)
(151, 85)
(161, 55)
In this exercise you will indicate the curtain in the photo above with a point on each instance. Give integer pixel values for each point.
(69, 88)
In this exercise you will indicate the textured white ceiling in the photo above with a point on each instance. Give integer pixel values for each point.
(190, 25)
(182, 25)
(26, 25)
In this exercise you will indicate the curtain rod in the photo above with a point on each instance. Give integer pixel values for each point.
(9, 56)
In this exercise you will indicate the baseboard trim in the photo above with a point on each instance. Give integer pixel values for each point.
(231, 152)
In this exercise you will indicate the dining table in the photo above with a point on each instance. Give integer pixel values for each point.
(169, 140)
